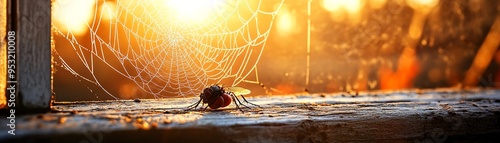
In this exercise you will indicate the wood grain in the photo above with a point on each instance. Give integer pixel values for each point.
(402, 116)
(3, 52)
(34, 60)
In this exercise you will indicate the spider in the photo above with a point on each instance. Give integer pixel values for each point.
(218, 97)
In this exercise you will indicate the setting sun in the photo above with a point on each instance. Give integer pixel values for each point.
(193, 10)
(73, 16)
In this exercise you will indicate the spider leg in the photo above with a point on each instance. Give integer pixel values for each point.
(194, 105)
(235, 103)
(245, 100)
(239, 101)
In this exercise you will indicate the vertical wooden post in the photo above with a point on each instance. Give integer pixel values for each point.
(29, 22)
(3, 52)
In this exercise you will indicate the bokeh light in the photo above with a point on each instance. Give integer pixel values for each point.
(73, 16)
(193, 10)
(351, 6)
(286, 22)
(422, 5)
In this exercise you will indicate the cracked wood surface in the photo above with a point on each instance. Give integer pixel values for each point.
(437, 115)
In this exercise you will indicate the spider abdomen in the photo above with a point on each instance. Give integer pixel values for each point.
(216, 97)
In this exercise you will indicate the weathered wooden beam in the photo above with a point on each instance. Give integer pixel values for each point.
(407, 116)
(3, 52)
(27, 63)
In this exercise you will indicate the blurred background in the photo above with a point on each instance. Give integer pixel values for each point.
(117, 49)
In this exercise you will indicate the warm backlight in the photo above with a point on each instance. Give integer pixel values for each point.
(286, 22)
(422, 5)
(108, 10)
(351, 6)
(193, 10)
(73, 15)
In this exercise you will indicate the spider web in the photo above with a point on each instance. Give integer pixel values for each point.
(167, 51)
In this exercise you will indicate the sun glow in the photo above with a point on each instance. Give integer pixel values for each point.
(286, 22)
(193, 10)
(422, 5)
(351, 6)
(108, 10)
(73, 15)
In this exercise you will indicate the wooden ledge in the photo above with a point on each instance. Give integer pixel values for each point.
(414, 116)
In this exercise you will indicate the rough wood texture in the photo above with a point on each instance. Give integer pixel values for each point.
(3, 52)
(35, 84)
(405, 116)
